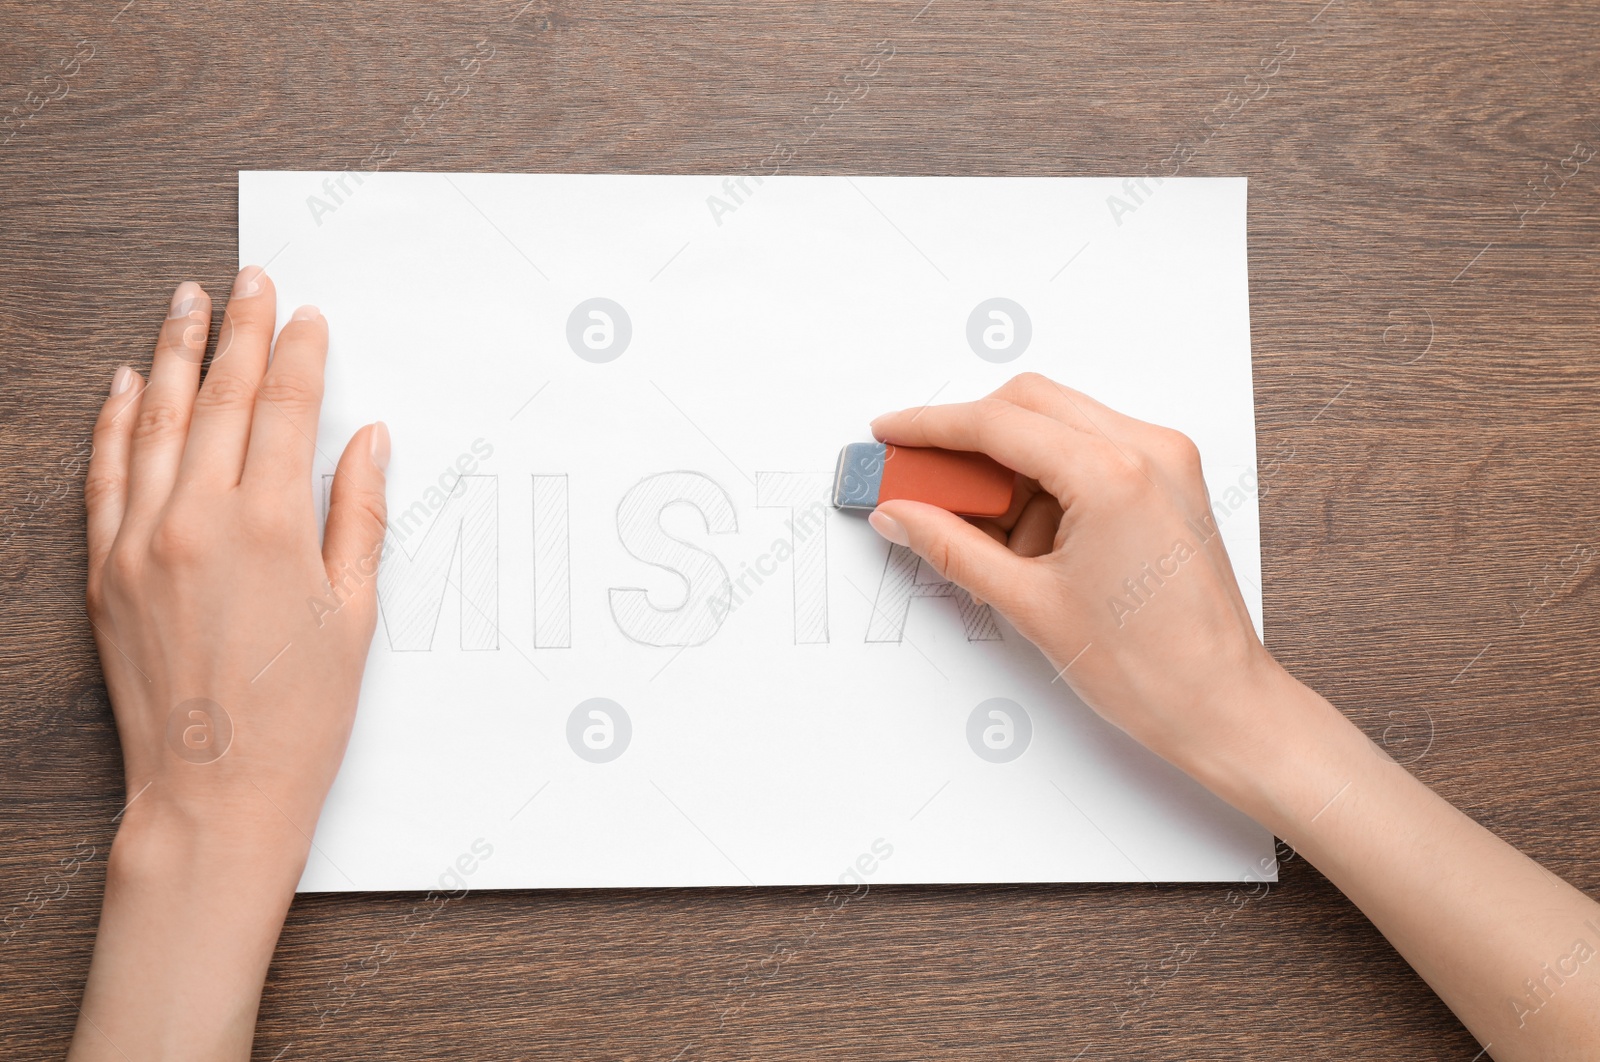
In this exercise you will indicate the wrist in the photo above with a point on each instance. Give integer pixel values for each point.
(1284, 753)
(181, 844)
(194, 903)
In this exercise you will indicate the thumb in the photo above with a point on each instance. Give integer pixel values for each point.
(957, 550)
(358, 515)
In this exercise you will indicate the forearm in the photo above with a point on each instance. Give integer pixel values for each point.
(1505, 944)
(187, 931)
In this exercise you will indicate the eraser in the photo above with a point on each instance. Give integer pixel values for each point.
(967, 484)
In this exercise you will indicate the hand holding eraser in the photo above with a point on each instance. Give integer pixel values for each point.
(967, 484)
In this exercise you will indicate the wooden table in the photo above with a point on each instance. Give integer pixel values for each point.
(1425, 283)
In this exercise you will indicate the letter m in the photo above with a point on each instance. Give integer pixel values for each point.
(459, 551)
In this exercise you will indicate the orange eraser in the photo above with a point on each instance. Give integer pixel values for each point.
(968, 484)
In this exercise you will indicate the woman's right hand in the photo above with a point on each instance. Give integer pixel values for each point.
(1109, 561)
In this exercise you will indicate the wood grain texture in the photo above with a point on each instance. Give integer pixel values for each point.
(1426, 392)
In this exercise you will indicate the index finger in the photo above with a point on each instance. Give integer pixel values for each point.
(283, 428)
(1038, 446)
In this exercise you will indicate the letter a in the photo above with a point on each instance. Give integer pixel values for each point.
(1119, 207)
(718, 208)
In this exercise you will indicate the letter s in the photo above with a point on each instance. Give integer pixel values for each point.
(708, 594)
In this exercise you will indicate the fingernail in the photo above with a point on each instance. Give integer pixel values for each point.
(889, 527)
(306, 313)
(247, 283)
(186, 299)
(121, 381)
(380, 445)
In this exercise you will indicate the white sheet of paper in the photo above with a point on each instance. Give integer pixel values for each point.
(580, 488)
